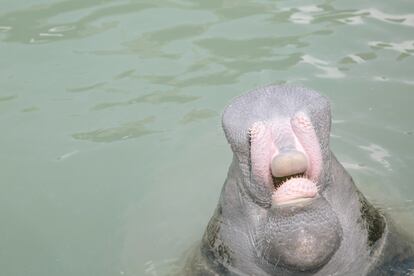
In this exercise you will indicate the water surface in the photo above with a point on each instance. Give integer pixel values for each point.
(112, 153)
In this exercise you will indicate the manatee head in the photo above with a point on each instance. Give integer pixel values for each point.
(280, 139)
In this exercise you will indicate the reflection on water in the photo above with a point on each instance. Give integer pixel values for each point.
(86, 88)
(358, 58)
(7, 98)
(113, 156)
(126, 131)
(403, 19)
(328, 71)
(30, 109)
(378, 154)
(154, 98)
(197, 114)
(404, 47)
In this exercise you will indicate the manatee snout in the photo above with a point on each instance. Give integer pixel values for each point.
(289, 162)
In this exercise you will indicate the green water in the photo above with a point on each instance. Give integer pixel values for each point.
(112, 155)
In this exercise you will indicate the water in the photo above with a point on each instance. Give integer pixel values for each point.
(112, 156)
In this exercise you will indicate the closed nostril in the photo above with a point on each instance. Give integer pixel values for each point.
(289, 163)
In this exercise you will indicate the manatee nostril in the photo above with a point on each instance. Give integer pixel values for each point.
(289, 163)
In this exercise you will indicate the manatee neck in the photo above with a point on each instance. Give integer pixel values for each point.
(364, 228)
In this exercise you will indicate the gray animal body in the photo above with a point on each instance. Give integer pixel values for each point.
(288, 207)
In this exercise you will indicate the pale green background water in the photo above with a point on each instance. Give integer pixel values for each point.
(112, 155)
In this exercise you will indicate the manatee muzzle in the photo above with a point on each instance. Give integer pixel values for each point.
(286, 157)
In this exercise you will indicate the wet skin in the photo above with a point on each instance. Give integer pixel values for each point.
(288, 207)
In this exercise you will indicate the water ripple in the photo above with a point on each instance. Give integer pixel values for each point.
(62, 28)
(7, 98)
(30, 109)
(86, 88)
(304, 14)
(35, 24)
(301, 18)
(356, 167)
(197, 115)
(153, 98)
(125, 74)
(352, 20)
(406, 19)
(5, 28)
(358, 58)
(404, 47)
(378, 154)
(329, 71)
(125, 131)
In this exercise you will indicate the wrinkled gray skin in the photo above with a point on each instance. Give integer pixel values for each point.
(344, 234)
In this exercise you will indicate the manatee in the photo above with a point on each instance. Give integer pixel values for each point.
(288, 207)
